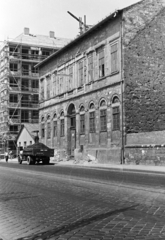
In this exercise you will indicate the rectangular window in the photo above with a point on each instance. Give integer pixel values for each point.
(25, 70)
(101, 62)
(103, 120)
(13, 98)
(13, 82)
(25, 85)
(61, 127)
(48, 130)
(25, 116)
(25, 53)
(34, 70)
(90, 67)
(35, 116)
(42, 90)
(13, 129)
(25, 101)
(13, 113)
(92, 122)
(30, 142)
(114, 57)
(42, 130)
(116, 118)
(35, 83)
(80, 73)
(55, 128)
(13, 67)
(25, 144)
(13, 50)
(82, 124)
(48, 87)
(70, 78)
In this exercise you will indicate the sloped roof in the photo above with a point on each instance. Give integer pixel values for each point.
(41, 40)
(30, 127)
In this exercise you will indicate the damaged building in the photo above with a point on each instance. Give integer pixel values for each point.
(102, 94)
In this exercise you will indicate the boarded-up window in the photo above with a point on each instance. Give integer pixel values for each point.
(62, 127)
(116, 118)
(70, 83)
(92, 122)
(55, 128)
(90, 67)
(101, 62)
(48, 87)
(48, 130)
(80, 73)
(42, 130)
(114, 57)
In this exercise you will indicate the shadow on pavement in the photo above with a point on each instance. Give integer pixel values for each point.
(79, 224)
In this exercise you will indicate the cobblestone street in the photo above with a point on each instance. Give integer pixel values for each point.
(45, 206)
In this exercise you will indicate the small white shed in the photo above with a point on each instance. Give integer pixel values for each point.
(26, 135)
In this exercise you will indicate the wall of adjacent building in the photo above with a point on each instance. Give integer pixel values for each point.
(144, 75)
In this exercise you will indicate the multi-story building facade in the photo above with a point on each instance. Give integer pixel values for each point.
(19, 81)
(88, 94)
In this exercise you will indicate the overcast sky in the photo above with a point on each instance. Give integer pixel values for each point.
(42, 16)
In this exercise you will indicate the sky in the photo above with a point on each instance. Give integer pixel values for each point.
(42, 16)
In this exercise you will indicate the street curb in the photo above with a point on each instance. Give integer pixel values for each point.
(111, 168)
(121, 168)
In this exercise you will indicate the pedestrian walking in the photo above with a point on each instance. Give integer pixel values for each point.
(6, 156)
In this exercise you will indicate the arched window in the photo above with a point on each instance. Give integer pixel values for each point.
(116, 113)
(82, 120)
(115, 100)
(103, 116)
(92, 127)
(62, 124)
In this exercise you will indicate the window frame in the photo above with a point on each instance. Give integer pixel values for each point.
(101, 61)
(90, 67)
(114, 56)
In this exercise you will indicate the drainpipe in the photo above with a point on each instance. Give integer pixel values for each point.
(122, 92)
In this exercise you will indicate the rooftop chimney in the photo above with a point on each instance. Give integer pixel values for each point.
(51, 34)
(26, 31)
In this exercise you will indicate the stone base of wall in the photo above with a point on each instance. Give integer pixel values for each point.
(145, 154)
(108, 156)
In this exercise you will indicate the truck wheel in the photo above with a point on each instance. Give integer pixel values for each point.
(29, 160)
(19, 160)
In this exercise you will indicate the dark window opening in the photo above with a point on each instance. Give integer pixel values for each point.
(92, 122)
(48, 130)
(13, 67)
(116, 118)
(25, 53)
(13, 98)
(103, 120)
(25, 116)
(55, 128)
(61, 127)
(101, 62)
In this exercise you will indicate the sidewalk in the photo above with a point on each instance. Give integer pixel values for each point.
(113, 167)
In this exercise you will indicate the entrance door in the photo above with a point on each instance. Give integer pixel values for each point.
(73, 140)
(72, 129)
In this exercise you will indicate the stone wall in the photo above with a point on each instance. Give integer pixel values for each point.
(145, 155)
(144, 75)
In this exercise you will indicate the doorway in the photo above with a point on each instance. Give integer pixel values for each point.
(72, 129)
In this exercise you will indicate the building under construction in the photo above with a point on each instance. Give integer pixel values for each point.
(19, 81)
